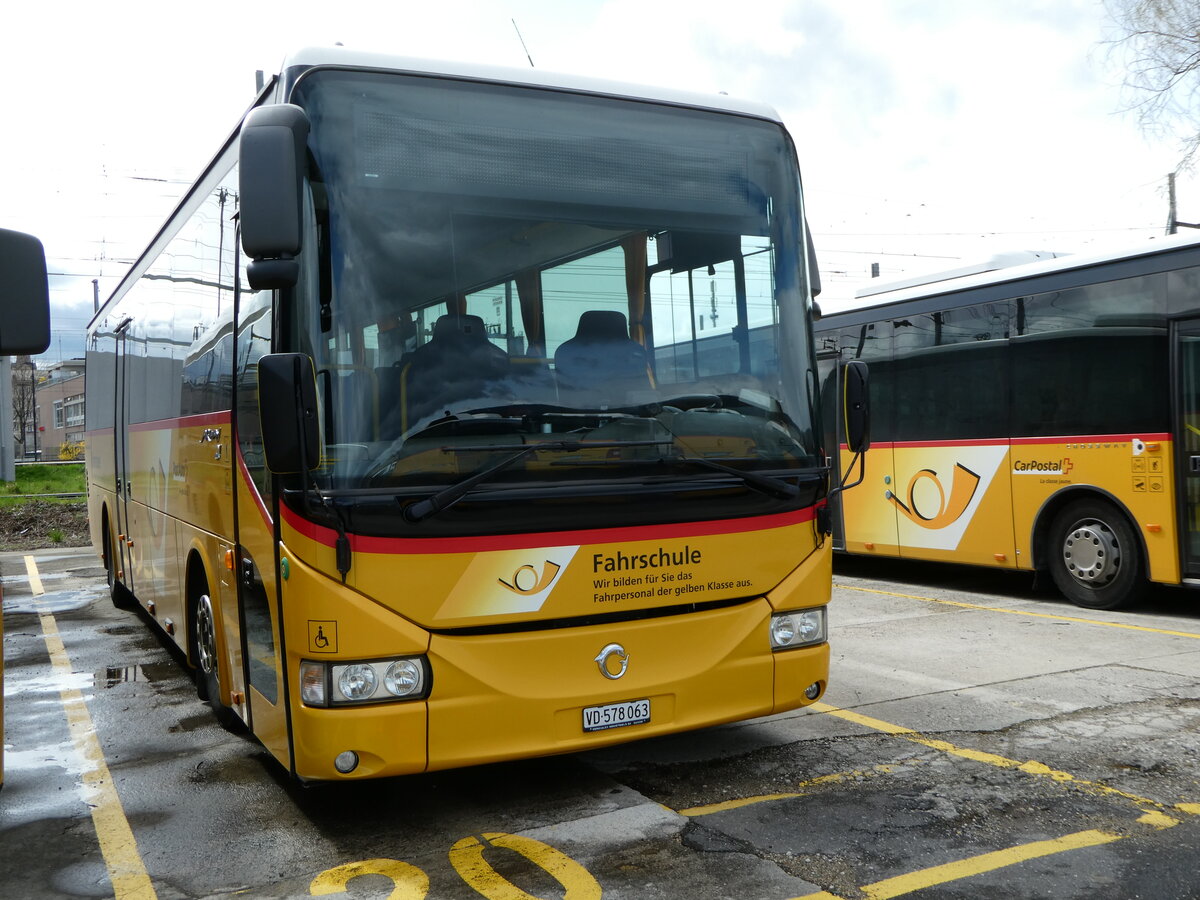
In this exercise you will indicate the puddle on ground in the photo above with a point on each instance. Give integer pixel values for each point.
(148, 672)
(52, 602)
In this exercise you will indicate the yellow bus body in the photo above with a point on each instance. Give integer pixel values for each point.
(512, 693)
(983, 502)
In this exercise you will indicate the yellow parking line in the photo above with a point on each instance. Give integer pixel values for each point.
(35, 579)
(1029, 767)
(900, 885)
(1021, 612)
(837, 777)
(987, 862)
(126, 871)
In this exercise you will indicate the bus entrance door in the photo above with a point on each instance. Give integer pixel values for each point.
(124, 483)
(863, 516)
(1187, 443)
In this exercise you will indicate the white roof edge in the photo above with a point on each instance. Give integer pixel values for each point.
(342, 56)
(991, 264)
(931, 285)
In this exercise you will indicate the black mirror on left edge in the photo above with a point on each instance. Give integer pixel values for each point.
(24, 295)
(272, 151)
(287, 408)
(857, 408)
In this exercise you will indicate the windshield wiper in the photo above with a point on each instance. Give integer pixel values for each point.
(448, 496)
(768, 484)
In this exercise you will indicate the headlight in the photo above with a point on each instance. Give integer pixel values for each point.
(356, 682)
(799, 628)
(404, 678)
(374, 681)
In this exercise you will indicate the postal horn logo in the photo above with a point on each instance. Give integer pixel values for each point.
(527, 580)
(932, 509)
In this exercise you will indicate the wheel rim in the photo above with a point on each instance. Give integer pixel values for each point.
(206, 636)
(1091, 553)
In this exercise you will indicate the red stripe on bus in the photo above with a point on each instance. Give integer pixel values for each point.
(252, 489)
(480, 543)
(1092, 439)
(1023, 441)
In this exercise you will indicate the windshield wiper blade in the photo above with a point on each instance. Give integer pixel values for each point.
(448, 496)
(768, 484)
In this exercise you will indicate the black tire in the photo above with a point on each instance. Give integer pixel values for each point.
(204, 653)
(204, 649)
(121, 596)
(1095, 557)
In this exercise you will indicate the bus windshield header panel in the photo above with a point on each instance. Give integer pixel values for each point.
(519, 289)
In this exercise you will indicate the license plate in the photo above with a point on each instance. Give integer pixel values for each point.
(616, 715)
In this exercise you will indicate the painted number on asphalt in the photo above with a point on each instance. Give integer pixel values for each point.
(410, 883)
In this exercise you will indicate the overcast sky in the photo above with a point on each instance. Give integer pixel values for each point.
(928, 132)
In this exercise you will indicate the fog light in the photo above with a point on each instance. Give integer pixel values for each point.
(357, 682)
(799, 628)
(813, 691)
(346, 762)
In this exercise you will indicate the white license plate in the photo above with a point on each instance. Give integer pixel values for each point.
(616, 715)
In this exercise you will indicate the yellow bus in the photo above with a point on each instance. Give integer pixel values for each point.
(24, 328)
(1041, 417)
(461, 415)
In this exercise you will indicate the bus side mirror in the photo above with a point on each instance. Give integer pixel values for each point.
(287, 408)
(24, 295)
(271, 161)
(856, 406)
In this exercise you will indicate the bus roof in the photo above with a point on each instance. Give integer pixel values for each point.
(982, 275)
(305, 58)
(991, 264)
(341, 57)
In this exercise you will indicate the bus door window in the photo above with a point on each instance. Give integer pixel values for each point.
(1188, 343)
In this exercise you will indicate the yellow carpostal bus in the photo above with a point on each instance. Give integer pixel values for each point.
(1042, 417)
(461, 415)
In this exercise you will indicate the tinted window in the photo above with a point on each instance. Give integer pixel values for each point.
(948, 374)
(1091, 360)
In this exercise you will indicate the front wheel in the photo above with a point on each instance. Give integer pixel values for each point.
(1094, 556)
(204, 637)
(204, 649)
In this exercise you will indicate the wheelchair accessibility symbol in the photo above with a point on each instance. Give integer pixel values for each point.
(322, 636)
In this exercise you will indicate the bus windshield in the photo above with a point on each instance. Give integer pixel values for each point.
(500, 266)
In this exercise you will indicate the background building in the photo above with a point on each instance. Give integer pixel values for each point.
(47, 409)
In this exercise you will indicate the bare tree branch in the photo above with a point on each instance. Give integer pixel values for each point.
(1157, 43)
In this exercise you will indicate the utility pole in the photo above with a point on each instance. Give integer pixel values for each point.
(1173, 223)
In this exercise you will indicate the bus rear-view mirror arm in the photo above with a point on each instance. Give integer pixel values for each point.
(856, 419)
(271, 160)
(856, 405)
(24, 295)
(287, 407)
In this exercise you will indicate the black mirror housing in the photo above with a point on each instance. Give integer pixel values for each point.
(856, 406)
(272, 152)
(287, 408)
(24, 295)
